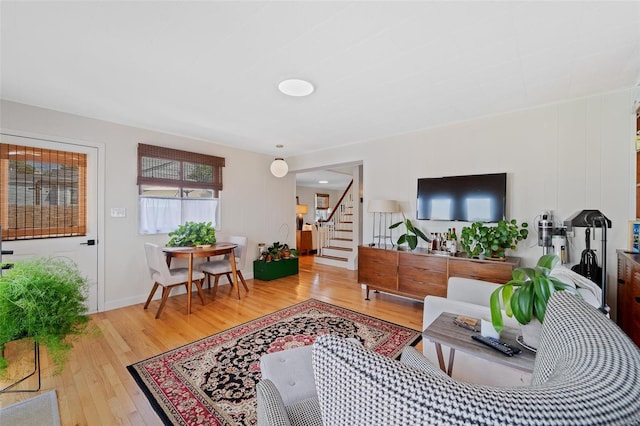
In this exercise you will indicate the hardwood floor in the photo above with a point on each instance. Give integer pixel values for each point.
(96, 389)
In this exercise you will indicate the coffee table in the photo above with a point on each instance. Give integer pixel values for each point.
(443, 331)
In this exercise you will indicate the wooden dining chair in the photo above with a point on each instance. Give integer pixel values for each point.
(167, 278)
(217, 268)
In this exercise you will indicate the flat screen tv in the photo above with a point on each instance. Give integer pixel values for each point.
(465, 198)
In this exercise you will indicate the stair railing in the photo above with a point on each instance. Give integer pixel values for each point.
(327, 229)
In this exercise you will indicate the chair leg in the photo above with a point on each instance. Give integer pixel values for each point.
(165, 296)
(153, 291)
(229, 279)
(244, 283)
(199, 287)
(208, 279)
(215, 285)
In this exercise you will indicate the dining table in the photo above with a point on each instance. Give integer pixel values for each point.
(190, 253)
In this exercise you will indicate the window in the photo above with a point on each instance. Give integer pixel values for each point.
(322, 207)
(43, 193)
(177, 187)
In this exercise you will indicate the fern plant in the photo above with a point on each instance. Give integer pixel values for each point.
(43, 299)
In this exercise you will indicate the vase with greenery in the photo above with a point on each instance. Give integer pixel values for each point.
(525, 297)
(484, 240)
(412, 234)
(43, 299)
(192, 234)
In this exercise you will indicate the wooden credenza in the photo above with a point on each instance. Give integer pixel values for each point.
(628, 307)
(417, 273)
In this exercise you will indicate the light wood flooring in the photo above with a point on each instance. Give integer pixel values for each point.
(95, 387)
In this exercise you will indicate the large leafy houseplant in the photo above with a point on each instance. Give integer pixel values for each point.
(192, 234)
(43, 299)
(525, 297)
(491, 241)
(412, 234)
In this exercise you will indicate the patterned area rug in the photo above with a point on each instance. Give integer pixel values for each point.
(212, 381)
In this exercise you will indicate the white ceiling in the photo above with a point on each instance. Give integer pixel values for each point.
(210, 70)
(337, 179)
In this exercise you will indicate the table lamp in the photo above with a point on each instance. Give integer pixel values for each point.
(384, 209)
(301, 209)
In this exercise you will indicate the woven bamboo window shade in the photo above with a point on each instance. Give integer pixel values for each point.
(183, 169)
(43, 193)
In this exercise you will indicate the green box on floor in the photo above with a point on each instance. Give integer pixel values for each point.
(267, 271)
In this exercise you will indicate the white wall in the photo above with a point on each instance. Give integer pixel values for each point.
(564, 157)
(254, 203)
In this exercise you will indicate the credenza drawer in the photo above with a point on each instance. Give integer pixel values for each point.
(432, 263)
(378, 275)
(421, 282)
(367, 255)
(492, 270)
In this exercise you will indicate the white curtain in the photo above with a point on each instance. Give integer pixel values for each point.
(162, 215)
(199, 210)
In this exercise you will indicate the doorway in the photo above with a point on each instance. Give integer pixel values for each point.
(81, 246)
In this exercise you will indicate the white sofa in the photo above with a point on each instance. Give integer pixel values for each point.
(471, 298)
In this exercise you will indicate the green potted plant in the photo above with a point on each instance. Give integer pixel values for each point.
(525, 297)
(277, 251)
(412, 234)
(482, 240)
(193, 234)
(43, 299)
(288, 252)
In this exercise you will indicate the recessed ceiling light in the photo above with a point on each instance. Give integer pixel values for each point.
(296, 87)
(323, 181)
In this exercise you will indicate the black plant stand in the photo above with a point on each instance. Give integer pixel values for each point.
(36, 370)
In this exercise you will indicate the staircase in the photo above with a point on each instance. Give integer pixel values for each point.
(336, 242)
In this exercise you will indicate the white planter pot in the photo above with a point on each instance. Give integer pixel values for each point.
(531, 333)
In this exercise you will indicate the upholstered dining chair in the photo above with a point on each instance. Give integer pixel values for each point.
(167, 278)
(223, 267)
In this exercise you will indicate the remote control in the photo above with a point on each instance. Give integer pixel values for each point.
(516, 351)
(493, 344)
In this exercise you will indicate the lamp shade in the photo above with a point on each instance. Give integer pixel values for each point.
(382, 206)
(279, 168)
(302, 209)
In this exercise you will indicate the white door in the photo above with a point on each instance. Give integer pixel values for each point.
(83, 250)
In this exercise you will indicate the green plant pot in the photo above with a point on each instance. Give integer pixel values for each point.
(267, 271)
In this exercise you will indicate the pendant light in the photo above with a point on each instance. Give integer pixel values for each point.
(279, 167)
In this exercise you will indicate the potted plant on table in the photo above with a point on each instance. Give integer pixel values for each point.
(412, 234)
(525, 297)
(482, 240)
(193, 234)
(43, 299)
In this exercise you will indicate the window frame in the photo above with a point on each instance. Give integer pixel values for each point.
(14, 152)
(177, 179)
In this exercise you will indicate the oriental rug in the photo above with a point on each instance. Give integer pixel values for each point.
(212, 381)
